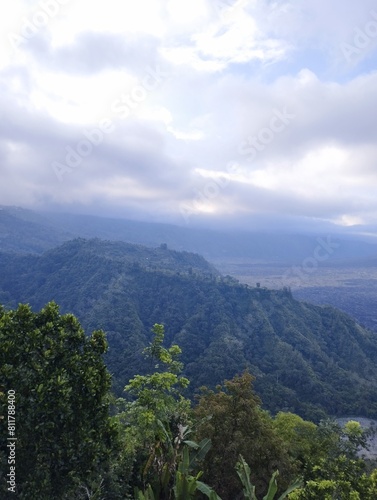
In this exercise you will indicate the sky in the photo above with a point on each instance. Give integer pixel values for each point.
(217, 112)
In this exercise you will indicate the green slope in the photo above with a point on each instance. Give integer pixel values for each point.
(307, 359)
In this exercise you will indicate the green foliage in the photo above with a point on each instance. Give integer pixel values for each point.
(239, 426)
(299, 436)
(186, 485)
(155, 423)
(333, 468)
(155, 447)
(156, 419)
(158, 401)
(354, 433)
(61, 384)
(243, 471)
(146, 495)
(310, 360)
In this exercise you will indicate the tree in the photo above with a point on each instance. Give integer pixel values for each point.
(155, 417)
(239, 426)
(299, 436)
(333, 468)
(63, 429)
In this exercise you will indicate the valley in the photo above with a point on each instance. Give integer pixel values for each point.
(287, 351)
(308, 359)
(236, 308)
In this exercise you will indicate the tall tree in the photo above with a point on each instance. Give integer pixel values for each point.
(239, 426)
(155, 417)
(60, 381)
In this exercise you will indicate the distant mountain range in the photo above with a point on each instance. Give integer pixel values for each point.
(26, 231)
(308, 359)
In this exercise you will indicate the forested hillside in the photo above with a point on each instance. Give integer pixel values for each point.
(307, 359)
(153, 444)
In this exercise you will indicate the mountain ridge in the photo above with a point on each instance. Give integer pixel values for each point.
(308, 359)
(30, 231)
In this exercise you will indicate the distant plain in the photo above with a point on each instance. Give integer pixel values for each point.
(351, 289)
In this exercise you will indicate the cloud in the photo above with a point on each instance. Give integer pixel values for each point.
(91, 53)
(232, 38)
(254, 111)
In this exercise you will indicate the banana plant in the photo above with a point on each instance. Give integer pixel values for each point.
(243, 471)
(146, 495)
(186, 485)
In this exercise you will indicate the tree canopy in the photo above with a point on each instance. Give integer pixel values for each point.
(63, 429)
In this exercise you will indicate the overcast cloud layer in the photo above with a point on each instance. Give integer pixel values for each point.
(182, 111)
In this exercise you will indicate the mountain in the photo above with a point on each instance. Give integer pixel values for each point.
(308, 359)
(28, 231)
(24, 231)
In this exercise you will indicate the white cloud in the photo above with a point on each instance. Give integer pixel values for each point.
(233, 67)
